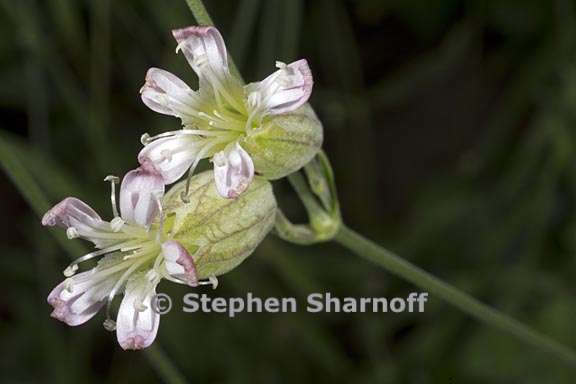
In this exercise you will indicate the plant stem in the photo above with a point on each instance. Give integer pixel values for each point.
(391, 262)
(404, 269)
(164, 366)
(200, 13)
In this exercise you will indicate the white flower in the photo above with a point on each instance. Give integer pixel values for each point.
(219, 115)
(137, 323)
(138, 257)
(234, 169)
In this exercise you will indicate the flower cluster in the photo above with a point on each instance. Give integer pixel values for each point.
(242, 128)
(204, 226)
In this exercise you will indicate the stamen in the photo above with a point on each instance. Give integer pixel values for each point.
(68, 284)
(145, 139)
(73, 266)
(180, 45)
(113, 181)
(221, 89)
(119, 284)
(212, 280)
(160, 231)
(109, 325)
(199, 156)
(116, 224)
(70, 270)
(72, 233)
(220, 122)
(139, 306)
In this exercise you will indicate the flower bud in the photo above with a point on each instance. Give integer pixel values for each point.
(285, 142)
(219, 233)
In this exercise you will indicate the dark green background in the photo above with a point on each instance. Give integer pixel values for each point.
(450, 126)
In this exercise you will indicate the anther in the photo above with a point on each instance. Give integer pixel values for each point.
(212, 280)
(70, 270)
(109, 325)
(139, 306)
(72, 233)
(180, 45)
(145, 139)
(116, 224)
(184, 197)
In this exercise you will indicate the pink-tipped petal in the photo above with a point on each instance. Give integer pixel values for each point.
(68, 211)
(79, 220)
(137, 322)
(233, 171)
(283, 91)
(75, 304)
(170, 157)
(179, 263)
(139, 195)
(204, 49)
(165, 93)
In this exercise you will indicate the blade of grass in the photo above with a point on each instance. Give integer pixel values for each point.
(25, 16)
(66, 14)
(242, 30)
(28, 187)
(268, 38)
(54, 181)
(100, 66)
(291, 28)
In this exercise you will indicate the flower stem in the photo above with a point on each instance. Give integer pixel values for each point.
(200, 13)
(393, 263)
(164, 366)
(404, 269)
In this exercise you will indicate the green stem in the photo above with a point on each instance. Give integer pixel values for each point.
(303, 191)
(163, 365)
(391, 262)
(200, 13)
(404, 269)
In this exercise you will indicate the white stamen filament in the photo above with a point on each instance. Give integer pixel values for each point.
(147, 139)
(73, 267)
(113, 181)
(160, 231)
(199, 156)
(119, 284)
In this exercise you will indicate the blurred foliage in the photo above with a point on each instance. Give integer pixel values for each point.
(450, 126)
